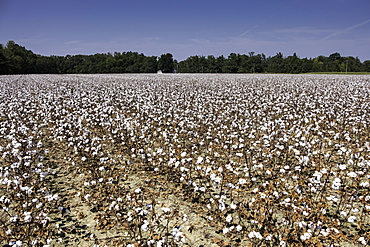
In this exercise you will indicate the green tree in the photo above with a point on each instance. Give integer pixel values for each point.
(149, 65)
(220, 61)
(292, 64)
(319, 64)
(191, 65)
(276, 63)
(231, 64)
(351, 64)
(334, 63)
(255, 63)
(165, 63)
(16, 59)
(3, 61)
(307, 65)
(366, 66)
(243, 64)
(211, 64)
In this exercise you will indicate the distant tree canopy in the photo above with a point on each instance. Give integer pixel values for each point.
(166, 63)
(16, 59)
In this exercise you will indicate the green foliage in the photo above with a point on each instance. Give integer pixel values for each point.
(366, 66)
(165, 63)
(16, 59)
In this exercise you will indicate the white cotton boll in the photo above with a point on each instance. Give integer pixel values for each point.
(13, 218)
(362, 240)
(365, 184)
(43, 174)
(138, 190)
(144, 227)
(39, 144)
(17, 243)
(87, 197)
(255, 234)
(229, 218)
(150, 242)
(217, 179)
(166, 210)
(325, 233)
(337, 180)
(324, 171)
(352, 219)
(352, 174)
(342, 166)
(306, 236)
(268, 237)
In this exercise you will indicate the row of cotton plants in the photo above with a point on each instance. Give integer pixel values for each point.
(157, 159)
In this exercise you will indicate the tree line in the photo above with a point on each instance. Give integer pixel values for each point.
(16, 59)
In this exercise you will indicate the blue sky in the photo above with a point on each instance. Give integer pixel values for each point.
(186, 28)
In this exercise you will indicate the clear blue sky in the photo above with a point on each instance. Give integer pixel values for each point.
(191, 27)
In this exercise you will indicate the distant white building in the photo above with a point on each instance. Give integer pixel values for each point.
(159, 72)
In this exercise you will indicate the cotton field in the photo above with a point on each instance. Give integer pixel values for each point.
(184, 160)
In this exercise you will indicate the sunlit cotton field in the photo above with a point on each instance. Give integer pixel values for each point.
(185, 160)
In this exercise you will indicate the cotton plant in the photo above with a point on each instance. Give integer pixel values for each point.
(273, 159)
